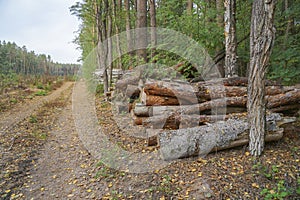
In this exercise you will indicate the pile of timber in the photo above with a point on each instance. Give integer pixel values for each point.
(185, 116)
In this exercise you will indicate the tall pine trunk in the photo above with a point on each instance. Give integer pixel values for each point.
(153, 26)
(230, 39)
(189, 7)
(220, 23)
(128, 27)
(261, 42)
(141, 25)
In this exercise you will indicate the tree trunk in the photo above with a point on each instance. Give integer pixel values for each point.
(117, 29)
(230, 39)
(261, 42)
(128, 27)
(189, 7)
(109, 46)
(220, 23)
(153, 26)
(141, 34)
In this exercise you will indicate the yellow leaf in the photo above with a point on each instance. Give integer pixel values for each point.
(89, 190)
(200, 174)
(255, 185)
(247, 153)
(110, 184)
(7, 191)
(194, 169)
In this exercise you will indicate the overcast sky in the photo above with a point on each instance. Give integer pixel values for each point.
(44, 26)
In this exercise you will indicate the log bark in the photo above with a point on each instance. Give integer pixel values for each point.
(244, 140)
(151, 100)
(280, 101)
(233, 81)
(292, 97)
(132, 80)
(132, 91)
(200, 93)
(220, 135)
(158, 122)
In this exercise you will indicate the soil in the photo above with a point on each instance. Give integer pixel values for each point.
(43, 157)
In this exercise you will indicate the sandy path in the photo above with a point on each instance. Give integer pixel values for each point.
(63, 170)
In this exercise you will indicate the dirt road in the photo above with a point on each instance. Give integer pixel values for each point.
(37, 166)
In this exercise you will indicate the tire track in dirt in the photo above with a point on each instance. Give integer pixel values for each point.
(64, 169)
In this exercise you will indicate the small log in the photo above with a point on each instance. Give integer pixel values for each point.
(152, 136)
(287, 108)
(141, 110)
(150, 100)
(292, 97)
(158, 122)
(232, 81)
(127, 79)
(132, 91)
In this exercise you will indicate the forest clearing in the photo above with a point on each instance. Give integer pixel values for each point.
(191, 99)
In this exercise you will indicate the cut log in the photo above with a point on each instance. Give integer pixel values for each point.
(287, 109)
(132, 91)
(292, 97)
(182, 121)
(277, 101)
(204, 139)
(214, 105)
(244, 140)
(150, 100)
(152, 136)
(141, 110)
(199, 93)
(232, 81)
(158, 122)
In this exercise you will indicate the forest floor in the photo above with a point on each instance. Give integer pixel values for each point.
(43, 157)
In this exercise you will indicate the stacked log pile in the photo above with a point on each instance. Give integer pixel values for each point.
(177, 108)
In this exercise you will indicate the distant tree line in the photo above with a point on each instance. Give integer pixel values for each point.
(15, 59)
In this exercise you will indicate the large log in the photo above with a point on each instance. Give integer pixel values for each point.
(192, 94)
(201, 140)
(232, 81)
(185, 121)
(276, 101)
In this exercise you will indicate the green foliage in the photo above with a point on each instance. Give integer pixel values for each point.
(33, 119)
(100, 89)
(40, 93)
(285, 60)
(39, 135)
(280, 192)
